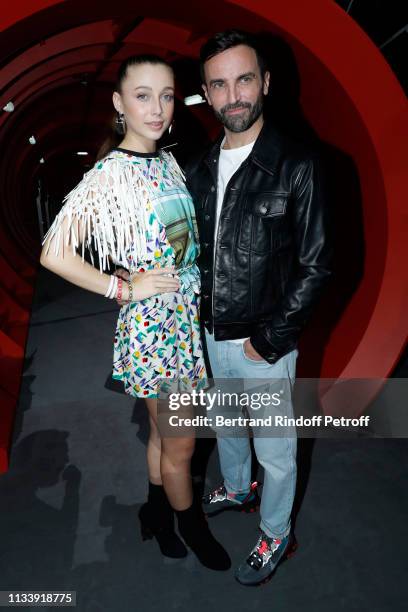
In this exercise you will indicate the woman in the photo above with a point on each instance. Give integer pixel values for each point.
(133, 207)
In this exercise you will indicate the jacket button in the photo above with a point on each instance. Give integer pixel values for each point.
(263, 209)
(207, 217)
(206, 296)
(212, 188)
(205, 271)
(206, 245)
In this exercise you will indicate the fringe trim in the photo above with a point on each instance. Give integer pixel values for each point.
(110, 204)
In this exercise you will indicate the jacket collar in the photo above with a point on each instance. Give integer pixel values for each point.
(268, 148)
(266, 153)
(212, 155)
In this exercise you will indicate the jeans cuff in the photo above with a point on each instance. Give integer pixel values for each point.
(232, 491)
(275, 534)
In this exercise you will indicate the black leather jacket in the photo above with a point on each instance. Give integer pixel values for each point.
(272, 254)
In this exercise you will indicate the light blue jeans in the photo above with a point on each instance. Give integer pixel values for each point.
(276, 453)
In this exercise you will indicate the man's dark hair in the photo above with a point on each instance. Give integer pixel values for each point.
(226, 40)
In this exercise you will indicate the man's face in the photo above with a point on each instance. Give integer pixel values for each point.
(234, 87)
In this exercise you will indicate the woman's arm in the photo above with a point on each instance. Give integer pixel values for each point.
(70, 265)
(73, 268)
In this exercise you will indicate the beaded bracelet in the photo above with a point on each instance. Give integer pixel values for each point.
(119, 290)
(130, 291)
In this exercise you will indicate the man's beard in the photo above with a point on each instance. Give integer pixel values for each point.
(240, 123)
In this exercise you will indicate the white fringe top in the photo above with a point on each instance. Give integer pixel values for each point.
(110, 204)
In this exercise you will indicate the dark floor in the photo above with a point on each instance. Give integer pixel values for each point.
(69, 502)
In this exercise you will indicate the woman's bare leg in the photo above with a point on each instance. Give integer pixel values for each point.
(157, 515)
(154, 444)
(169, 462)
(176, 471)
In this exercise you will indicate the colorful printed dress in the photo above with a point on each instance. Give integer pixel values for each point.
(139, 214)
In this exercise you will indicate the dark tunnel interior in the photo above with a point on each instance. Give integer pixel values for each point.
(58, 62)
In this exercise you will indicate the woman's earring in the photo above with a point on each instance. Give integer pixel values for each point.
(120, 123)
(171, 126)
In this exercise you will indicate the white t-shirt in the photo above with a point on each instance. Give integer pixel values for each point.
(229, 162)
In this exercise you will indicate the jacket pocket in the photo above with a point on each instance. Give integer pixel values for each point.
(262, 214)
(268, 205)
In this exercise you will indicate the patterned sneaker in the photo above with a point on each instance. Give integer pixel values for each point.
(264, 559)
(218, 500)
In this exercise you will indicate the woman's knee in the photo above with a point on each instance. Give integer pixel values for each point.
(178, 449)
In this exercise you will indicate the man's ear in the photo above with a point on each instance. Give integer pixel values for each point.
(205, 90)
(267, 78)
(117, 101)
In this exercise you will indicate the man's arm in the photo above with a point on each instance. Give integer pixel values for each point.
(278, 334)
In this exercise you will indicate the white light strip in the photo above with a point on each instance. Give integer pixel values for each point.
(195, 99)
(9, 107)
(82, 152)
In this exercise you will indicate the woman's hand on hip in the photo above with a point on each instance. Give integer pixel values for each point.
(152, 282)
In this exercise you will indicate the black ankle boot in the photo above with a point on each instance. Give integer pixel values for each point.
(157, 520)
(195, 532)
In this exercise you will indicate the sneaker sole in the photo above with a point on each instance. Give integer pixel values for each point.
(247, 508)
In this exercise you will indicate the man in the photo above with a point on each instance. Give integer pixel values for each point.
(264, 259)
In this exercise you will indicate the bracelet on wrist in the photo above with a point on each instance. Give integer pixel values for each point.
(130, 286)
(110, 286)
(119, 290)
(112, 294)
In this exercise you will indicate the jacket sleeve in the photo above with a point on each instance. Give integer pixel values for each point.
(277, 334)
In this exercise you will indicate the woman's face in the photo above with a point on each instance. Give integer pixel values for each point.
(146, 100)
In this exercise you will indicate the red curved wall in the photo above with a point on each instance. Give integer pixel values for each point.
(349, 95)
